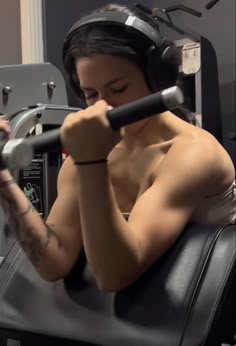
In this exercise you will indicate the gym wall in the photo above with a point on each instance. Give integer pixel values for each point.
(10, 32)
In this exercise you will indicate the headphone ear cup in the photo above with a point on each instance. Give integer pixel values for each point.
(162, 71)
(171, 61)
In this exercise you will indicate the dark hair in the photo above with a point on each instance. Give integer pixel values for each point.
(111, 40)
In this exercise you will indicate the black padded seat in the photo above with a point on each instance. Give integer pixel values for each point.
(187, 298)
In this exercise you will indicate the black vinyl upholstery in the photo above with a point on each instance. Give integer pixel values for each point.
(188, 298)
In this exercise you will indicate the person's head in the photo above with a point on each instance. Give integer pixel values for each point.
(116, 62)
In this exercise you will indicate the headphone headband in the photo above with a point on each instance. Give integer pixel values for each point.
(117, 18)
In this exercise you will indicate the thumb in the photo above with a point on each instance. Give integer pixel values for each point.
(109, 108)
(5, 128)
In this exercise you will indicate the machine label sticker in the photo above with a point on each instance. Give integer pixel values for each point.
(31, 181)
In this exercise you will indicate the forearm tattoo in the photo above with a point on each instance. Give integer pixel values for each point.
(52, 234)
(33, 244)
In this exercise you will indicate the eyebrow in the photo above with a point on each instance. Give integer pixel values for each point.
(106, 85)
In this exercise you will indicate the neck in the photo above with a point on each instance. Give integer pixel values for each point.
(145, 132)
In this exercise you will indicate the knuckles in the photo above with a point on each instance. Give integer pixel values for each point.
(96, 113)
(98, 110)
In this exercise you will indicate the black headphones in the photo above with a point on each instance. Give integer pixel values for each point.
(162, 59)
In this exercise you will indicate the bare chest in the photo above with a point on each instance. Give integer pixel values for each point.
(128, 190)
(132, 175)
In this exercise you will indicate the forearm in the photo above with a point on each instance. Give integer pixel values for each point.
(110, 245)
(37, 239)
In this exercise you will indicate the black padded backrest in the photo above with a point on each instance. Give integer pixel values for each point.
(187, 298)
(187, 293)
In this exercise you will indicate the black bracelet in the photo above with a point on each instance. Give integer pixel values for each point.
(83, 163)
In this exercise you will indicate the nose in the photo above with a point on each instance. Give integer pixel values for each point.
(104, 96)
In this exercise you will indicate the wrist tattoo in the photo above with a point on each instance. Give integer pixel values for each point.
(29, 209)
(6, 183)
(10, 207)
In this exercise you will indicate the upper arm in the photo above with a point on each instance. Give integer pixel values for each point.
(161, 213)
(64, 214)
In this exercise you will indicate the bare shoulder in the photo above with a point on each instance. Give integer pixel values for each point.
(198, 157)
(214, 154)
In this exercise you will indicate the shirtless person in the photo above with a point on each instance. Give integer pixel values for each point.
(162, 170)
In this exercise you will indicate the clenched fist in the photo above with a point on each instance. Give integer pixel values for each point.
(87, 135)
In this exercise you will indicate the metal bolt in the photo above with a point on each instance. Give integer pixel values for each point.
(51, 85)
(38, 115)
(7, 90)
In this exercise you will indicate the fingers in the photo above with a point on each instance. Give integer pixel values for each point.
(4, 127)
(109, 108)
(101, 104)
(98, 110)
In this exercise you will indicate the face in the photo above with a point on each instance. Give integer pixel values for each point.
(113, 79)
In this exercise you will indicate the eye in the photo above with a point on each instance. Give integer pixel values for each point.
(119, 90)
(89, 97)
